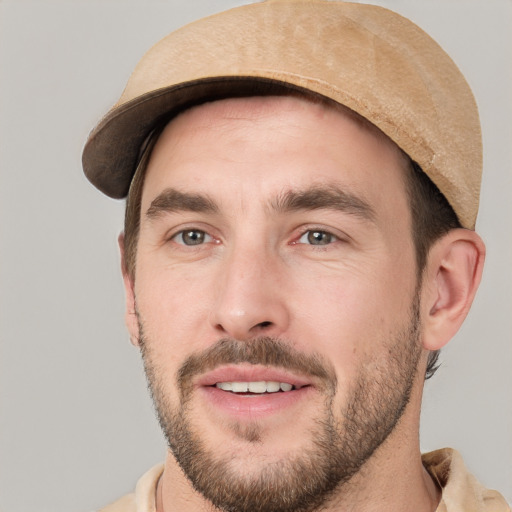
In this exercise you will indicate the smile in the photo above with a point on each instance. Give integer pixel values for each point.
(248, 392)
(256, 387)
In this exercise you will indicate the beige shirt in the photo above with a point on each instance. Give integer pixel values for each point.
(461, 492)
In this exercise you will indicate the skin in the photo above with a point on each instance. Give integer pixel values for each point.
(258, 274)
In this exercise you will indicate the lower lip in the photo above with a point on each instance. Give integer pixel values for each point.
(252, 406)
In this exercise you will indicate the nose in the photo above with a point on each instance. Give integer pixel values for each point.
(250, 299)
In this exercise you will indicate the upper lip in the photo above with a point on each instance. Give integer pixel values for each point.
(251, 373)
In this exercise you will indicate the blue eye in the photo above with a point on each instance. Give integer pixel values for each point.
(192, 237)
(317, 237)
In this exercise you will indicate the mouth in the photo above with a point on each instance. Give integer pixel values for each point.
(252, 391)
(260, 387)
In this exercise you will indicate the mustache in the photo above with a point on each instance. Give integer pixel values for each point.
(265, 351)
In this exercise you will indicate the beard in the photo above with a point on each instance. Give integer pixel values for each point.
(341, 441)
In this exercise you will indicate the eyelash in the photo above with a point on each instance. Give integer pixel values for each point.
(184, 232)
(312, 235)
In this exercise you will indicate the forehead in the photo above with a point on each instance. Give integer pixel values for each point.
(294, 108)
(306, 142)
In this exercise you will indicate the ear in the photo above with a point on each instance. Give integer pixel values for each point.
(451, 278)
(130, 314)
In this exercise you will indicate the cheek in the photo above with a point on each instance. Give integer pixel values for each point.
(349, 317)
(174, 308)
(334, 320)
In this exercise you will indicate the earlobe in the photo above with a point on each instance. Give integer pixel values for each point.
(131, 311)
(453, 273)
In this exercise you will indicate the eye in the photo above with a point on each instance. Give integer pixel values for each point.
(191, 237)
(317, 237)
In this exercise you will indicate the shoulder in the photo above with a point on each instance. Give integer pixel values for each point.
(460, 489)
(124, 504)
(143, 499)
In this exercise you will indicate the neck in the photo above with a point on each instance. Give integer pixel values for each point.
(393, 480)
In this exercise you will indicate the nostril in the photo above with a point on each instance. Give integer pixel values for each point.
(264, 324)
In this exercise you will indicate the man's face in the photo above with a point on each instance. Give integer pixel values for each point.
(276, 298)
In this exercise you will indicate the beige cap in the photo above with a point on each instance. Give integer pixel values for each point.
(370, 59)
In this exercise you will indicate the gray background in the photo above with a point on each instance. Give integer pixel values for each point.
(76, 426)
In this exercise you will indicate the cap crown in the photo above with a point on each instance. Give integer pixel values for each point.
(366, 57)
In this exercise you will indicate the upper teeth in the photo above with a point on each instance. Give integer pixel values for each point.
(254, 387)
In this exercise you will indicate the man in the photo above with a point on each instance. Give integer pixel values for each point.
(302, 185)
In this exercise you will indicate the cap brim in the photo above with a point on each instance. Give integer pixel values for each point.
(127, 126)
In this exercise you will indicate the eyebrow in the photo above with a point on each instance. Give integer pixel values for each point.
(323, 198)
(316, 198)
(172, 200)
